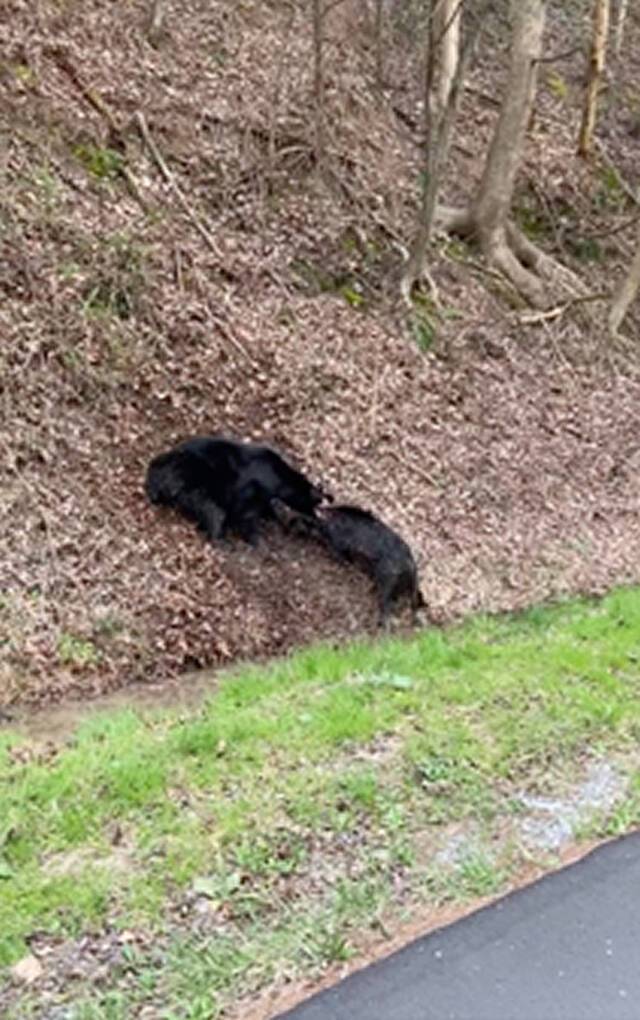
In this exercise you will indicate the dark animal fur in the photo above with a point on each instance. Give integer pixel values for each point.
(225, 484)
(357, 536)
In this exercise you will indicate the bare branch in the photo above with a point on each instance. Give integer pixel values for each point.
(621, 18)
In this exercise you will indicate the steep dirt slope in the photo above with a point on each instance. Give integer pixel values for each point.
(508, 457)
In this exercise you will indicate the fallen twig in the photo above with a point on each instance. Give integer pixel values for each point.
(413, 467)
(532, 318)
(169, 178)
(230, 338)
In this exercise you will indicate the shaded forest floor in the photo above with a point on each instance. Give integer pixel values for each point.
(507, 455)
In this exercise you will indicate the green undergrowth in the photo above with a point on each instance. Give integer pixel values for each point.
(257, 835)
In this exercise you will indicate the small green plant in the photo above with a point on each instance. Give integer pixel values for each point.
(423, 319)
(69, 270)
(76, 651)
(478, 875)
(25, 74)
(100, 161)
(449, 313)
(360, 788)
(280, 855)
(72, 359)
(329, 945)
(105, 299)
(47, 185)
(423, 327)
(610, 194)
(352, 295)
(585, 249)
(108, 625)
(118, 281)
(474, 874)
(219, 56)
(436, 772)
(457, 249)
(313, 277)
(319, 280)
(350, 243)
(531, 218)
(557, 85)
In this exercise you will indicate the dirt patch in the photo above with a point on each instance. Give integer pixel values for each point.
(54, 724)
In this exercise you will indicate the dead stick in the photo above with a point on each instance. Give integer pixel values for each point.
(230, 338)
(531, 319)
(414, 467)
(169, 178)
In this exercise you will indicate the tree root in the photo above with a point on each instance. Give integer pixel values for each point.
(535, 275)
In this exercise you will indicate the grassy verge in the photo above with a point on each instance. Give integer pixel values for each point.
(198, 858)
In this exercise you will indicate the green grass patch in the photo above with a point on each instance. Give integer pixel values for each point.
(258, 833)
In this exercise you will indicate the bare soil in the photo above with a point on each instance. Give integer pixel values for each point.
(507, 455)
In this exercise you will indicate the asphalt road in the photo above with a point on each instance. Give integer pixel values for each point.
(564, 948)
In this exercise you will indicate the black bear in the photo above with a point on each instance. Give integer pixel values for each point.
(359, 537)
(225, 484)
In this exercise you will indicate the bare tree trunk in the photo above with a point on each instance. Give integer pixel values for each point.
(621, 17)
(492, 204)
(530, 270)
(439, 120)
(600, 17)
(626, 292)
(446, 23)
